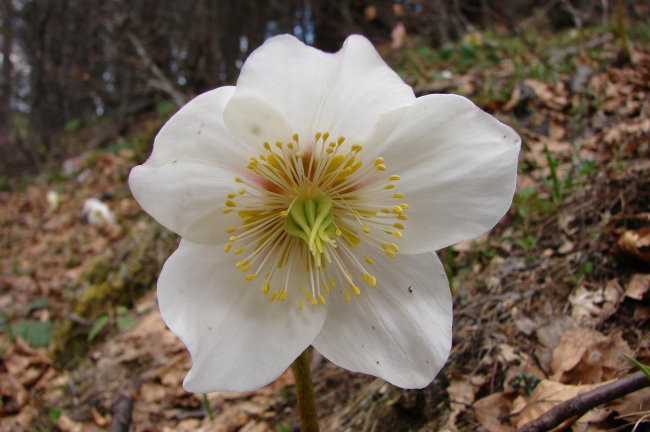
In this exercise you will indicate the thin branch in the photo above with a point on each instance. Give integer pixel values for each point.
(161, 82)
(579, 405)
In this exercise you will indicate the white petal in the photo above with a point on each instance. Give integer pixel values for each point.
(184, 183)
(187, 196)
(197, 131)
(362, 90)
(238, 340)
(458, 167)
(399, 330)
(290, 76)
(255, 121)
(343, 93)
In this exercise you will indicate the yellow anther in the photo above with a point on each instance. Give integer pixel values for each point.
(233, 238)
(332, 282)
(299, 304)
(231, 230)
(379, 161)
(389, 186)
(398, 195)
(398, 226)
(347, 296)
(317, 136)
(321, 299)
(380, 167)
(231, 195)
(397, 234)
(326, 288)
(397, 209)
(278, 144)
(355, 289)
(298, 155)
(385, 211)
(313, 301)
(239, 180)
(267, 145)
(404, 206)
(365, 228)
(265, 288)
(340, 140)
(369, 260)
(245, 268)
(394, 177)
(251, 276)
(326, 135)
(295, 137)
(402, 217)
(308, 295)
(242, 191)
(372, 281)
(238, 251)
(227, 210)
(227, 247)
(272, 297)
(231, 203)
(390, 253)
(355, 148)
(241, 264)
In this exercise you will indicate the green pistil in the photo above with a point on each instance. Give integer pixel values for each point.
(312, 221)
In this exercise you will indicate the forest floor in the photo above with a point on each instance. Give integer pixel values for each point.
(546, 305)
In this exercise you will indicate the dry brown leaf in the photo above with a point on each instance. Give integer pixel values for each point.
(230, 419)
(547, 395)
(461, 394)
(254, 426)
(490, 411)
(587, 356)
(592, 306)
(633, 406)
(636, 243)
(549, 336)
(638, 285)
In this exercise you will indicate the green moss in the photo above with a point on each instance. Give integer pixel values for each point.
(117, 278)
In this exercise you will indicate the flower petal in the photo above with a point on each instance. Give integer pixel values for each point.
(362, 90)
(197, 131)
(238, 340)
(290, 76)
(255, 121)
(186, 197)
(184, 183)
(399, 330)
(457, 165)
(343, 93)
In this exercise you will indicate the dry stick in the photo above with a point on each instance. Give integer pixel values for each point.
(579, 405)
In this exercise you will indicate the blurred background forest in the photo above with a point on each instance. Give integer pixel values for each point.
(69, 63)
(545, 305)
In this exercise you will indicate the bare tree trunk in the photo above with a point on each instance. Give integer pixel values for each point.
(6, 83)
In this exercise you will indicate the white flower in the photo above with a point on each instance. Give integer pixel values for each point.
(310, 198)
(98, 212)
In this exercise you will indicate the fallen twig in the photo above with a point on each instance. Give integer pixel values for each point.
(579, 405)
(122, 413)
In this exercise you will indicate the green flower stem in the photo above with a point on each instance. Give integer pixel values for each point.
(305, 393)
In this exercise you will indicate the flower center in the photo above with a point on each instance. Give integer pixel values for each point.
(312, 220)
(310, 217)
